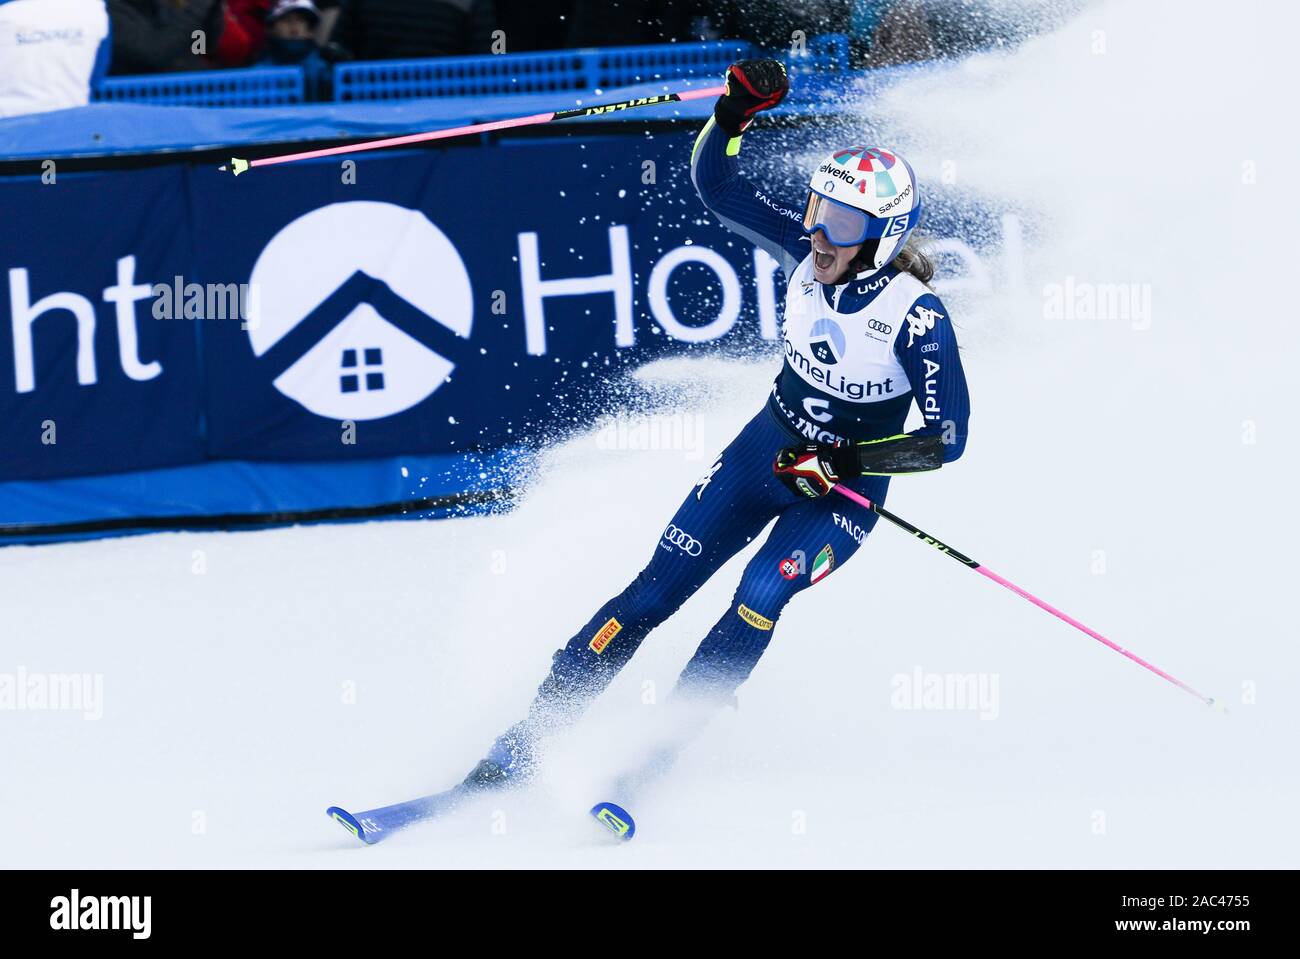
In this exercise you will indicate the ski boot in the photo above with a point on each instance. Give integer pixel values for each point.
(508, 763)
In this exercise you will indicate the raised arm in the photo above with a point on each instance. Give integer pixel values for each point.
(752, 85)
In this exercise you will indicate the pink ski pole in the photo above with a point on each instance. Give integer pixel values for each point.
(237, 166)
(985, 571)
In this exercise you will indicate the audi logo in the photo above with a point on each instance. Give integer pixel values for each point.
(879, 327)
(683, 540)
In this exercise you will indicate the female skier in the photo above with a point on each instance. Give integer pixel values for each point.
(864, 338)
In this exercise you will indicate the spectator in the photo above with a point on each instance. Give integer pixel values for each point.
(290, 39)
(158, 36)
(401, 29)
(329, 13)
(51, 53)
(894, 32)
(243, 36)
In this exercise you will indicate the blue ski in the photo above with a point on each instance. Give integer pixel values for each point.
(614, 818)
(632, 784)
(373, 825)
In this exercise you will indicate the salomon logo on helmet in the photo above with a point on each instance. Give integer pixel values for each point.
(883, 187)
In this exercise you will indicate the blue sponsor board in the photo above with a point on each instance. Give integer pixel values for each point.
(457, 299)
(442, 302)
(86, 384)
(435, 303)
(438, 302)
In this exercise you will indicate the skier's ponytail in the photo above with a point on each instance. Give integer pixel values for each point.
(912, 259)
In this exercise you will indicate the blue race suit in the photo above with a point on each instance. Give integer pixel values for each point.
(857, 355)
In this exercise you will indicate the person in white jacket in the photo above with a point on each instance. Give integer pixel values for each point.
(51, 53)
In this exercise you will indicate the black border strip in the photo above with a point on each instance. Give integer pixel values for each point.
(236, 521)
(971, 910)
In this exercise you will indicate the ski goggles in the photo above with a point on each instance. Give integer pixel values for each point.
(845, 225)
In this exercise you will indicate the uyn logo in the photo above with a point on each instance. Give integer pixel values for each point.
(355, 303)
(111, 913)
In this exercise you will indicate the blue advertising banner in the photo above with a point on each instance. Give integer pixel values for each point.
(378, 308)
(423, 302)
(89, 381)
(455, 300)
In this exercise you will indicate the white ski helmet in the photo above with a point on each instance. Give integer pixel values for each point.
(864, 195)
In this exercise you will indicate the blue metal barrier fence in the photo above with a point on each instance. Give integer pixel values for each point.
(551, 71)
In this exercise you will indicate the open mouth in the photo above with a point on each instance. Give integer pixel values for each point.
(823, 261)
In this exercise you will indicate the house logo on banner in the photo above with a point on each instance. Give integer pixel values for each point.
(353, 304)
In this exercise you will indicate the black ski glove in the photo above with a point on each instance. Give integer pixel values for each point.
(812, 469)
(752, 85)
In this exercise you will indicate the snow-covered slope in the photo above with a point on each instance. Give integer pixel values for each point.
(1136, 470)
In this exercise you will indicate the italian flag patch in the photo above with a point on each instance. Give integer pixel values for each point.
(823, 564)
